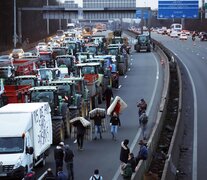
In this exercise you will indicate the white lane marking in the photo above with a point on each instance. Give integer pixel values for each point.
(195, 130)
(125, 76)
(132, 59)
(119, 86)
(134, 142)
(41, 177)
(129, 69)
(131, 64)
(197, 54)
(203, 57)
(117, 174)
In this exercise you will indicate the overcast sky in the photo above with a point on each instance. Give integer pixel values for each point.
(140, 3)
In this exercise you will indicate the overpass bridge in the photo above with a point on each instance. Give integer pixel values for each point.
(65, 14)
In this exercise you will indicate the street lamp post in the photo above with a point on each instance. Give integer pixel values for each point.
(15, 26)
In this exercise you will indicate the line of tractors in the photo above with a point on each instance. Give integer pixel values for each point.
(71, 77)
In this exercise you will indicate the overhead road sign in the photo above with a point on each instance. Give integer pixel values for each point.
(170, 9)
(143, 13)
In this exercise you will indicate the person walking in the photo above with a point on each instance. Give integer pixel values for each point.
(96, 175)
(49, 175)
(59, 155)
(108, 94)
(80, 135)
(124, 153)
(143, 152)
(143, 119)
(98, 125)
(142, 106)
(117, 109)
(61, 175)
(69, 162)
(114, 122)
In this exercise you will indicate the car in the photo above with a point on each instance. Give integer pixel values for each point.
(17, 53)
(174, 34)
(5, 58)
(187, 32)
(183, 36)
(41, 46)
(203, 37)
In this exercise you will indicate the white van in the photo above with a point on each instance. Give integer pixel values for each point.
(25, 137)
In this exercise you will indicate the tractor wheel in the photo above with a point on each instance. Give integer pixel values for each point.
(58, 132)
(122, 69)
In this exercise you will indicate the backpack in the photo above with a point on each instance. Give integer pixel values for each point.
(145, 119)
(94, 178)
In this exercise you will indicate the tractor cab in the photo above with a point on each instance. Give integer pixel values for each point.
(66, 64)
(46, 94)
(31, 80)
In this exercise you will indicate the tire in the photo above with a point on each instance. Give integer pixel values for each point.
(58, 132)
(122, 69)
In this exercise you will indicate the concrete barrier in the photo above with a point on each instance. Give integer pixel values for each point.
(143, 166)
(170, 170)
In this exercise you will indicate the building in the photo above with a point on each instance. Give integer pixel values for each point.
(109, 3)
(70, 4)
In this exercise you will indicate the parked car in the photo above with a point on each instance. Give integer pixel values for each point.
(183, 36)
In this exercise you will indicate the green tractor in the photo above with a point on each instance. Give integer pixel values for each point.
(59, 110)
(121, 60)
(67, 90)
(143, 43)
(82, 90)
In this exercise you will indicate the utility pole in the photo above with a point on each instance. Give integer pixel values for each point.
(15, 26)
(48, 21)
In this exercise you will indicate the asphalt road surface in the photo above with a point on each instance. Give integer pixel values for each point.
(194, 59)
(143, 80)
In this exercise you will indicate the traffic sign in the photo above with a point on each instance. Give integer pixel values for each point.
(145, 13)
(178, 9)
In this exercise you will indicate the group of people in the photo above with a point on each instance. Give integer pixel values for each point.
(62, 153)
(129, 161)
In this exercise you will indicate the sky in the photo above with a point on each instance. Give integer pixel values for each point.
(139, 3)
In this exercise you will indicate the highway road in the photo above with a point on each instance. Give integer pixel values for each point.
(143, 80)
(193, 56)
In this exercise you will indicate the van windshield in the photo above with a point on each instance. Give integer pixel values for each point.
(11, 145)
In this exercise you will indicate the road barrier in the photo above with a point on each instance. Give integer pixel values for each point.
(170, 171)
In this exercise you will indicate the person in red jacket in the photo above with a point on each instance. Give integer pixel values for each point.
(117, 110)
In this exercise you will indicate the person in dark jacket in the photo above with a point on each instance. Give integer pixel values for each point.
(69, 162)
(59, 155)
(143, 152)
(80, 135)
(142, 106)
(98, 125)
(108, 94)
(49, 175)
(124, 154)
(61, 175)
(132, 161)
(114, 122)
